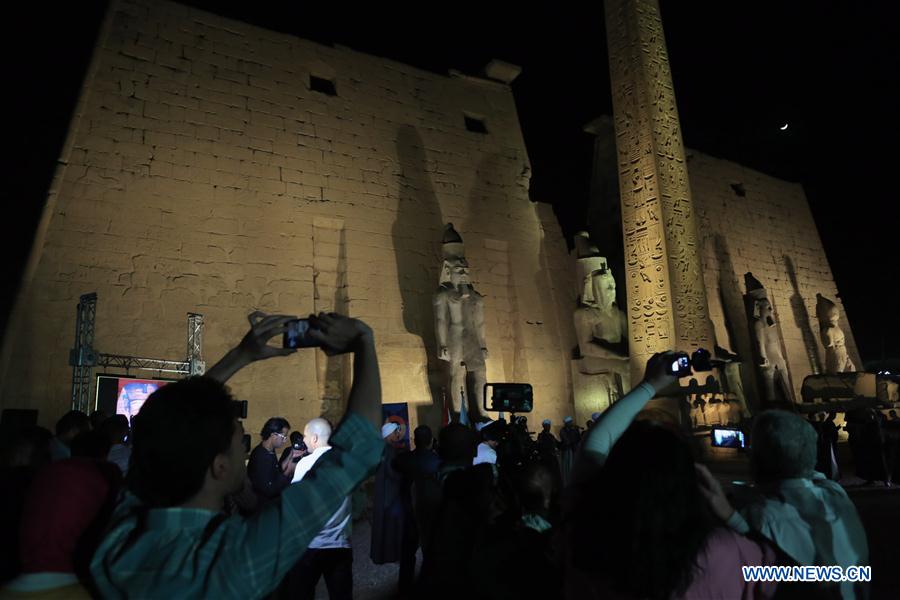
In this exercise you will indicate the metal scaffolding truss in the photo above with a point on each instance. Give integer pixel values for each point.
(84, 357)
(196, 366)
(130, 363)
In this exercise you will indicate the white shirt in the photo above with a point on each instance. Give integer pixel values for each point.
(336, 533)
(486, 454)
(812, 520)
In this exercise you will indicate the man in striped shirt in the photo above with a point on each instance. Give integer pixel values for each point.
(170, 538)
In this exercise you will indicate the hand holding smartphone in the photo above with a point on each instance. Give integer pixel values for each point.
(680, 365)
(726, 437)
(296, 335)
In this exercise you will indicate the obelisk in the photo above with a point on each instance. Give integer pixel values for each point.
(667, 306)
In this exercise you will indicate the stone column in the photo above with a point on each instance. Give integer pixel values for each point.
(666, 297)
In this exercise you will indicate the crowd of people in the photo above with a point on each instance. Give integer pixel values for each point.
(170, 506)
(874, 441)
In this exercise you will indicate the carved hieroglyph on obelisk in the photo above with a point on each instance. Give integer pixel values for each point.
(666, 297)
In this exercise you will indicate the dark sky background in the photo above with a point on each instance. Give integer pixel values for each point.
(741, 70)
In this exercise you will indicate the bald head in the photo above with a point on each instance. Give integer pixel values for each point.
(316, 433)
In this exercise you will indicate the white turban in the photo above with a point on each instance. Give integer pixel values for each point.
(486, 454)
(388, 428)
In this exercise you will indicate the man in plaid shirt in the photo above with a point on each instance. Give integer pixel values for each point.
(169, 537)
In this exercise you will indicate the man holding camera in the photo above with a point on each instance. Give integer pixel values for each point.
(267, 475)
(170, 538)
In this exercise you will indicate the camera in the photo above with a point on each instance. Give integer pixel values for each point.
(297, 443)
(683, 365)
(239, 409)
(509, 397)
(297, 335)
(725, 437)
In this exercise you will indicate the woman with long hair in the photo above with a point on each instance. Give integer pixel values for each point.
(638, 524)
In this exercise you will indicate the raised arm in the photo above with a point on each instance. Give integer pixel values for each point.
(339, 335)
(613, 423)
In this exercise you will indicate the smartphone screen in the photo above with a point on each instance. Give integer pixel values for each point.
(297, 335)
(728, 438)
(509, 397)
(681, 366)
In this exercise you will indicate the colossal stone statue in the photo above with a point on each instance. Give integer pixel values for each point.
(836, 358)
(767, 337)
(600, 326)
(600, 369)
(459, 325)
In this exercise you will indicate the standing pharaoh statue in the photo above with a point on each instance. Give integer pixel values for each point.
(459, 325)
(837, 360)
(767, 337)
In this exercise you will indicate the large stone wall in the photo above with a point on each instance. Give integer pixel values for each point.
(749, 221)
(203, 174)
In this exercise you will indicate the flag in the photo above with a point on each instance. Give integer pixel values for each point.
(463, 413)
(445, 413)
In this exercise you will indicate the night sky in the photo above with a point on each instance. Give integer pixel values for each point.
(741, 70)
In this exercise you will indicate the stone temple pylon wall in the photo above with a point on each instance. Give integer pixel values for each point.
(210, 169)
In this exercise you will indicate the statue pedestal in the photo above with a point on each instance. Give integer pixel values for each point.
(597, 383)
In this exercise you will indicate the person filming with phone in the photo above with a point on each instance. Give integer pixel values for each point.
(655, 537)
(170, 538)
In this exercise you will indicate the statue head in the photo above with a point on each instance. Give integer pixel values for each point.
(455, 270)
(603, 288)
(598, 287)
(762, 309)
(826, 311)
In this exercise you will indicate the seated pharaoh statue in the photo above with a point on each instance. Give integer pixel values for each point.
(600, 324)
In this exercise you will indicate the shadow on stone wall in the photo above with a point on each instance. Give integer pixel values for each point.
(801, 318)
(416, 234)
(479, 225)
(336, 388)
(736, 324)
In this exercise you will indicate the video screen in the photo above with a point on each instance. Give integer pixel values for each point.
(728, 438)
(125, 395)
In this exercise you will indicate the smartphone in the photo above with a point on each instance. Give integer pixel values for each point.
(297, 335)
(681, 365)
(508, 397)
(723, 437)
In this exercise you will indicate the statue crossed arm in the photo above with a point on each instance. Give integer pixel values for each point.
(459, 324)
(478, 323)
(440, 324)
(451, 328)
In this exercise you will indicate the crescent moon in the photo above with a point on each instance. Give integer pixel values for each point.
(785, 127)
